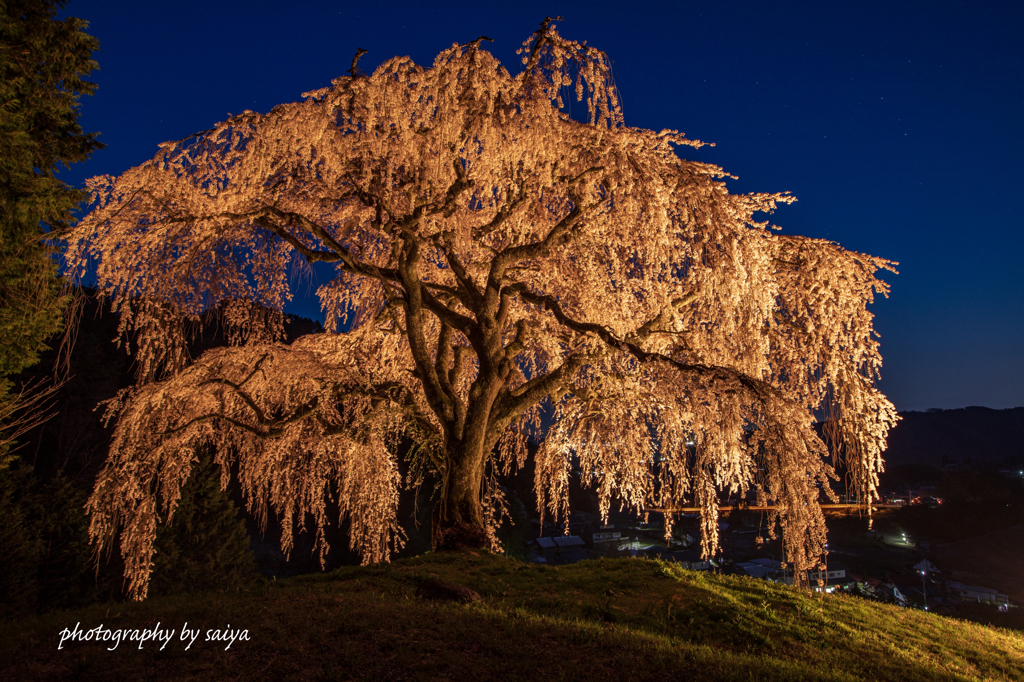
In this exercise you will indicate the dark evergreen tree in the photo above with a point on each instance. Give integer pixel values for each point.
(43, 65)
(47, 561)
(20, 546)
(205, 546)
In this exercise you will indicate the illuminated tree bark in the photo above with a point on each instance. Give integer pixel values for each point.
(491, 254)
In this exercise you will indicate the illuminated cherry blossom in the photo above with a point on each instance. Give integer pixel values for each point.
(491, 253)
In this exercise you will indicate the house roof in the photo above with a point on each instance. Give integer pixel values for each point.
(767, 563)
(569, 541)
(973, 588)
(561, 541)
(755, 570)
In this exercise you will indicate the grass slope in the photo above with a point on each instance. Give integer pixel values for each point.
(606, 619)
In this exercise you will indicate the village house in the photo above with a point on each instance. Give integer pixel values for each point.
(829, 579)
(561, 549)
(982, 595)
(766, 569)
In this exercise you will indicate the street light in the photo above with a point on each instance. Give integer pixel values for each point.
(925, 586)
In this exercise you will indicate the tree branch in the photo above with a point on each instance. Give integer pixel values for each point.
(558, 233)
(715, 372)
(437, 397)
(516, 401)
(444, 357)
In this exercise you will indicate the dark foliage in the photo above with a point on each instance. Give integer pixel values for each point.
(48, 563)
(205, 546)
(43, 63)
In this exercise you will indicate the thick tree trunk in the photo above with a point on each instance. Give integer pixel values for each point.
(458, 518)
(458, 521)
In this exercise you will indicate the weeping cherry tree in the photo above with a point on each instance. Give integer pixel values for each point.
(490, 255)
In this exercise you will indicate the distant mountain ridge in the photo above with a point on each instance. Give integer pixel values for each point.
(978, 435)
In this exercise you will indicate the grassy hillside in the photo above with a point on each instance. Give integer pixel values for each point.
(608, 619)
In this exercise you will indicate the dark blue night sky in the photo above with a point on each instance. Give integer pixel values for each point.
(897, 125)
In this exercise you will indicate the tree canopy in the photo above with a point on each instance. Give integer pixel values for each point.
(43, 66)
(492, 255)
